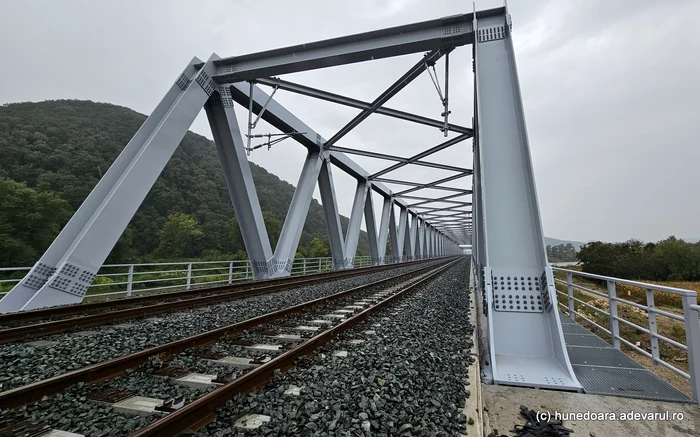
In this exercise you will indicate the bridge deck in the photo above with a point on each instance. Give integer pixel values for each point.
(604, 370)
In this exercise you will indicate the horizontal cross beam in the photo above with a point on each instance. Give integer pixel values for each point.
(390, 92)
(359, 104)
(436, 185)
(396, 158)
(413, 159)
(453, 31)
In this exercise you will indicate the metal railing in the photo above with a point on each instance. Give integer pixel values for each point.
(690, 319)
(115, 280)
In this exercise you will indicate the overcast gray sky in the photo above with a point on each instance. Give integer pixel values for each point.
(609, 87)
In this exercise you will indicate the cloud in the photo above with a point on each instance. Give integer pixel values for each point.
(609, 89)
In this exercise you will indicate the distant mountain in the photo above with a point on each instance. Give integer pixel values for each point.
(556, 242)
(61, 148)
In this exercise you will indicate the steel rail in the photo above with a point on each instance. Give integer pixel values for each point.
(34, 391)
(65, 310)
(65, 325)
(203, 410)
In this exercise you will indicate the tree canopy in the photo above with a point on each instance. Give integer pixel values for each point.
(668, 260)
(53, 153)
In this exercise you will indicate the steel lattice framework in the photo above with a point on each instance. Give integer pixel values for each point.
(525, 340)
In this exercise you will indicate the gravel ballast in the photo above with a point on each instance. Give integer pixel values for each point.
(406, 378)
(23, 363)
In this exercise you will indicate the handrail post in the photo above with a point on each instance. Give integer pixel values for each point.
(230, 272)
(570, 294)
(304, 267)
(130, 280)
(614, 324)
(319, 265)
(247, 270)
(692, 341)
(652, 327)
(189, 276)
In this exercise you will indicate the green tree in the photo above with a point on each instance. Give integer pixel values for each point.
(29, 221)
(178, 237)
(65, 146)
(319, 249)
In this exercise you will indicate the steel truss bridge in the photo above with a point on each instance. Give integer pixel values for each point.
(500, 218)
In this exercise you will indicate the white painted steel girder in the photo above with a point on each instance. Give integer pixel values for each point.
(525, 336)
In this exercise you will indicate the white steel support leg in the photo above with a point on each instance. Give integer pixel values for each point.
(384, 223)
(396, 237)
(296, 215)
(403, 234)
(45, 268)
(413, 238)
(352, 236)
(525, 337)
(229, 143)
(330, 210)
(118, 199)
(371, 228)
(420, 239)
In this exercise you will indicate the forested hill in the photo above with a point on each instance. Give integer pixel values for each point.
(59, 149)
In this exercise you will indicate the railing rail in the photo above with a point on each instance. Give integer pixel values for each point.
(116, 280)
(690, 318)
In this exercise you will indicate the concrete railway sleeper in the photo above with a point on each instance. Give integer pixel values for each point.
(220, 294)
(328, 315)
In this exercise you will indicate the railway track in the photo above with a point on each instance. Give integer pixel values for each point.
(80, 316)
(286, 335)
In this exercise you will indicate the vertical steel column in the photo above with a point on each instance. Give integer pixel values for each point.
(421, 239)
(403, 236)
(395, 236)
(128, 182)
(512, 225)
(384, 223)
(371, 228)
(239, 180)
(411, 237)
(296, 215)
(330, 210)
(353, 233)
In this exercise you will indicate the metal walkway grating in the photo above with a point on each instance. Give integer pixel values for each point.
(604, 370)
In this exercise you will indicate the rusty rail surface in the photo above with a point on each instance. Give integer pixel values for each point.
(98, 372)
(65, 325)
(203, 410)
(66, 310)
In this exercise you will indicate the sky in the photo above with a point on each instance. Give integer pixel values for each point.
(609, 90)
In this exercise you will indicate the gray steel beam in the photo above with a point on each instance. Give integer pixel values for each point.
(415, 158)
(130, 183)
(359, 104)
(387, 207)
(279, 117)
(239, 180)
(436, 185)
(330, 210)
(371, 229)
(296, 215)
(397, 86)
(439, 199)
(512, 224)
(46, 266)
(413, 235)
(451, 31)
(353, 233)
(398, 159)
(395, 236)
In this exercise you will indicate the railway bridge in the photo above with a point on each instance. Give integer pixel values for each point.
(522, 318)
